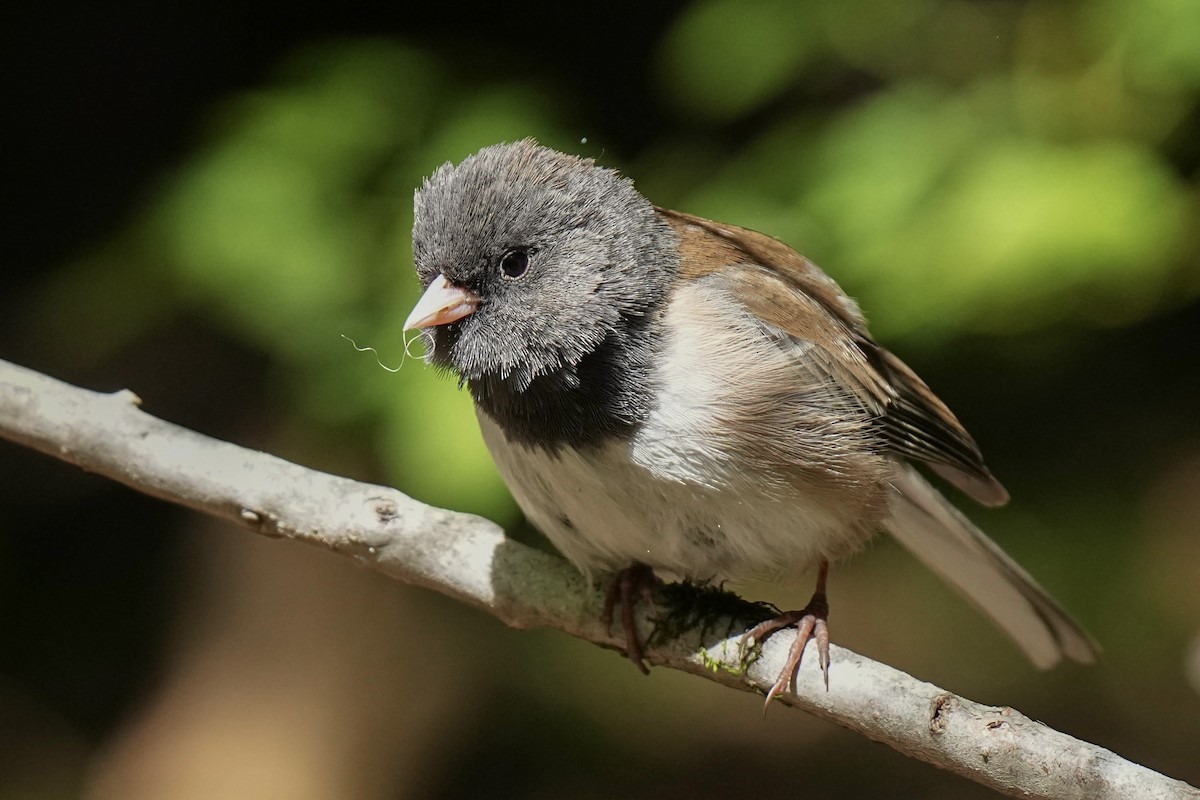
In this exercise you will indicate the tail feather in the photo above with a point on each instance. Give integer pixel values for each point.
(946, 542)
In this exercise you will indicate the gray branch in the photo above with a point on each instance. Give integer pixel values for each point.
(469, 558)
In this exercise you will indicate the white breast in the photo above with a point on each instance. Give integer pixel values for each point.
(674, 498)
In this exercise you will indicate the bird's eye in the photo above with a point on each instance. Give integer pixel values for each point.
(514, 263)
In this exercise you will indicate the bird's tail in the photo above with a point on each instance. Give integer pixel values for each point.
(945, 541)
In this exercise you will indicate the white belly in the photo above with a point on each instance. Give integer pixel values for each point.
(603, 511)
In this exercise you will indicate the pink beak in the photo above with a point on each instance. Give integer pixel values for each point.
(441, 304)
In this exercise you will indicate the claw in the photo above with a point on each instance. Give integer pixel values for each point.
(811, 623)
(637, 581)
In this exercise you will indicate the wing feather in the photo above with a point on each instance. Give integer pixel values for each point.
(787, 291)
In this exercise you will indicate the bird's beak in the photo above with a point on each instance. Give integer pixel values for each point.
(441, 304)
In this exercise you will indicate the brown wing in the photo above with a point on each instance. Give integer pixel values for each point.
(790, 293)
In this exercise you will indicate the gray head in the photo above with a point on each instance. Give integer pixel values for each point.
(532, 260)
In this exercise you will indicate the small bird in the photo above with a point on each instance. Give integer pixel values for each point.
(661, 392)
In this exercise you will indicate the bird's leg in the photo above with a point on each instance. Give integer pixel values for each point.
(637, 581)
(812, 622)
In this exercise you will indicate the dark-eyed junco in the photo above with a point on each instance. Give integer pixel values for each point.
(663, 392)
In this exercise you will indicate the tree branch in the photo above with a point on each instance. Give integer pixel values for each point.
(469, 558)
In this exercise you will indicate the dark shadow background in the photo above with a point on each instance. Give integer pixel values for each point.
(201, 202)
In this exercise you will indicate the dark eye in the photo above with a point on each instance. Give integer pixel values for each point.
(514, 263)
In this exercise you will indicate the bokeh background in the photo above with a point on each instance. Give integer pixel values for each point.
(202, 202)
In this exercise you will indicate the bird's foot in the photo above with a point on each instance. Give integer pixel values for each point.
(635, 582)
(811, 623)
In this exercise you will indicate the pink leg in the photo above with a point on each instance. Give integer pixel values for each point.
(637, 581)
(811, 622)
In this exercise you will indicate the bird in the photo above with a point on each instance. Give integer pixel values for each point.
(668, 395)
